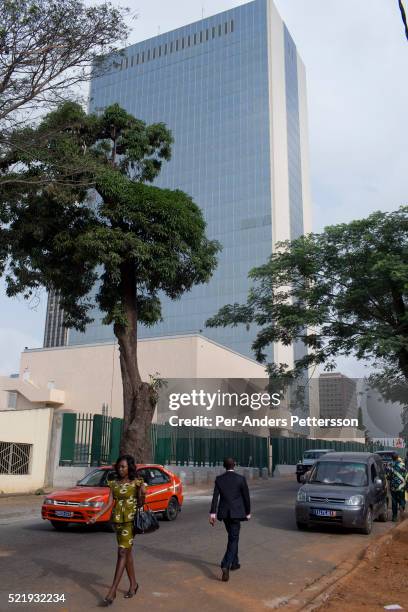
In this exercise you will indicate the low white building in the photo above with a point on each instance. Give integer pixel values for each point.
(84, 378)
(87, 379)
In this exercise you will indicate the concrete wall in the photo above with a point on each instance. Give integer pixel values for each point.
(4, 381)
(200, 477)
(30, 427)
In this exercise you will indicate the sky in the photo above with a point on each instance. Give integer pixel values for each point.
(356, 60)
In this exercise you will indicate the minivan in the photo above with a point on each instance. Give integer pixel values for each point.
(346, 489)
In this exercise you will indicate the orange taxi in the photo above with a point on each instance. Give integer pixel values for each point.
(164, 494)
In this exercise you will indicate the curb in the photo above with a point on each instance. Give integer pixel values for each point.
(316, 593)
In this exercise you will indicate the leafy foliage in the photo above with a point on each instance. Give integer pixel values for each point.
(47, 48)
(58, 234)
(341, 292)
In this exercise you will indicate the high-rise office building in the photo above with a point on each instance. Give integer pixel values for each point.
(232, 89)
(337, 396)
(55, 334)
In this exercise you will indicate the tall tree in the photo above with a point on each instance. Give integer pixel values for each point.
(134, 240)
(341, 292)
(47, 47)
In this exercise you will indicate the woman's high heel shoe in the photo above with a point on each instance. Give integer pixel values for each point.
(131, 592)
(108, 601)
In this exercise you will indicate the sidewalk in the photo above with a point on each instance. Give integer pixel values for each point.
(379, 580)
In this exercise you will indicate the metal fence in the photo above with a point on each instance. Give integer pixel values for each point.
(15, 458)
(94, 439)
(89, 439)
(199, 446)
(288, 451)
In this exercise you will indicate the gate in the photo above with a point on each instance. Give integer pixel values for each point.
(89, 439)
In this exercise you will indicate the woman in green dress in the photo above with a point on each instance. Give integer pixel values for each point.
(127, 492)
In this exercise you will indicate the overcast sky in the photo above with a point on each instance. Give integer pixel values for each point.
(356, 60)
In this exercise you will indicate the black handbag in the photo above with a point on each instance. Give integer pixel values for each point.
(145, 521)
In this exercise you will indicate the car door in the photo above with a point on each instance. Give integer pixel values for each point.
(158, 487)
(376, 492)
(381, 474)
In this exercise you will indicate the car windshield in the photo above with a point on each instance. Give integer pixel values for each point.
(313, 454)
(94, 479)
(344, 473)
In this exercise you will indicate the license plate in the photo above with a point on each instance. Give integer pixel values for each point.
(321, 512)
(64, 513)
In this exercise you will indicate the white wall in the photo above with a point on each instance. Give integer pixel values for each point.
(90, 375)
(30, 427)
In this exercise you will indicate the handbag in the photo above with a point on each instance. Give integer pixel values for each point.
(145, 521)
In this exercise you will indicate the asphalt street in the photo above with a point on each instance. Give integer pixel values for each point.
(177, 567)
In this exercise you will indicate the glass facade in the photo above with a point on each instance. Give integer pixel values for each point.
(55, 333)
(209, 82)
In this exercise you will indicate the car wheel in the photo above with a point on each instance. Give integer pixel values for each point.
(172, 510)
(60, 525)
(368, 523)
(301, 526)
(298, 477)
(383, 515)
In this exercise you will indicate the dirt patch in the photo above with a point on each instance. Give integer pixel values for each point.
(378, 581)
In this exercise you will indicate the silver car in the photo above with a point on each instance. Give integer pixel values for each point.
(345, 489)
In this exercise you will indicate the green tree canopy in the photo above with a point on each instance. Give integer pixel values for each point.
(134, 240)
(341, 292)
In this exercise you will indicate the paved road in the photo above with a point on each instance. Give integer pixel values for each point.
(177, 566)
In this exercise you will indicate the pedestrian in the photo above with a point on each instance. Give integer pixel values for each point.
(397, 478)
(127, 493)
(231, 491)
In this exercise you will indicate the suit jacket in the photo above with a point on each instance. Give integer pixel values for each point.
(231, 489)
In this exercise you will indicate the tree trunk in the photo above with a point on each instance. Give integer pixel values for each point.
(403, 362)
(138, 396)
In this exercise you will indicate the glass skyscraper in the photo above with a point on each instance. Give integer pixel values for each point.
(232, 90)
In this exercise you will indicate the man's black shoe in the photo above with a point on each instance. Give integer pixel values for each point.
(235, 567)
(225, 574)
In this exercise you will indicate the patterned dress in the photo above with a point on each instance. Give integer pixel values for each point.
(125, 498)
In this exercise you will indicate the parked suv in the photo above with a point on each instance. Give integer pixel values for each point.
(309, 458)
(346, 489)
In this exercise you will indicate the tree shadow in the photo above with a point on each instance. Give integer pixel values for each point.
(280, 517)
(78, 529)
(171, 555)
(85, 580)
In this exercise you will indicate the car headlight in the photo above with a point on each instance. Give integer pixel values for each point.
(91, 504)
(49, 502)
(355, 500)
(302, 496)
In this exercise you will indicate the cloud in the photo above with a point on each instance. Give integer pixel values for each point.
(356, 62)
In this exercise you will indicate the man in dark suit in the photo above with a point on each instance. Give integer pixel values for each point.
(231, 490)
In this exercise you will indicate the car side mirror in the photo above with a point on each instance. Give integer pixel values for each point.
(378, 483)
